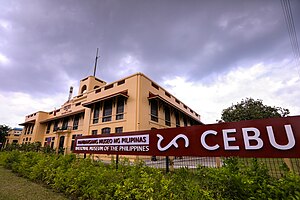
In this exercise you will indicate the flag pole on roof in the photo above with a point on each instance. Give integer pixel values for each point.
(95, 67)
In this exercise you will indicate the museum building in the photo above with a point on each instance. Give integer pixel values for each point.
(133, 103)
(13, 136)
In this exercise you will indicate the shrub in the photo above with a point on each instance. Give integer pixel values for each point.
(86, 179)
(11, 158)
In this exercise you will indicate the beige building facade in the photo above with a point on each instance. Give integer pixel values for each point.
(131, 104)
(13, 136)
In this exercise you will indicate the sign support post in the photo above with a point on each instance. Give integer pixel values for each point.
(167, 164)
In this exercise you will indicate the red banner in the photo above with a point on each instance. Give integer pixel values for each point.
(274, 137)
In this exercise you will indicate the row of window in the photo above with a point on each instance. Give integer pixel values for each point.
(107, 130)
(121, 82)
(49, 141)
(154, 115)
(84, 87)
(13, 142)
(26, 139)
(34, 114)
(176, 100)
(65, 124)
(28, 129)
(107, 110)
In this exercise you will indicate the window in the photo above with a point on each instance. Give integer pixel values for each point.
(119, 130)
(65, 123)
(48, 127)
(73, 141)
(167, 116)
(31, 130)
(107, 111)
(28, 129)
(167, 94)
(76, 122)
(15, 141)
(108, 86)
(52, 142)
(61, 149)
(94, 132)
(96, 113)
(177, 119)
(121, 82)
(155, 86)
(47, 141)
(78, 104)
(105, 130)
(83, 89)
(120, 108)
(154, 111)
(55, 127)
(184, 121)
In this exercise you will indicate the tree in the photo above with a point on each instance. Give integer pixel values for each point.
(249, 109)
(3, 132)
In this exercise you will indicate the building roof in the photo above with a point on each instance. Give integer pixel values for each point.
(17, 129)
(62, 116)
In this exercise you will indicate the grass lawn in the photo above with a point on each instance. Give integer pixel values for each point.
(13, 187)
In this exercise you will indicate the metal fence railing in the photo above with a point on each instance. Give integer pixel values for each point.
(275, 166)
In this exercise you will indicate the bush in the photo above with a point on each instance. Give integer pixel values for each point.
(86, 179)
(36, 146)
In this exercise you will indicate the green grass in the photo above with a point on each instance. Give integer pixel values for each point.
(13, 187)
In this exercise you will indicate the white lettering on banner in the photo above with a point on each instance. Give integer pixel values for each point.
(203, 136)
(255, 137)
(173, 142)
(247, 138)
(227, 139)
(114, 141)
(290, 136)
(114, 148)
(81, 148)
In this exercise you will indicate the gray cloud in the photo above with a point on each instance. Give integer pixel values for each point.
(49, 42)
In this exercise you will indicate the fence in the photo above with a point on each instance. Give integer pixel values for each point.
(275, 166)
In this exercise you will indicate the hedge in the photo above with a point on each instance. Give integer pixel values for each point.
(87, 179)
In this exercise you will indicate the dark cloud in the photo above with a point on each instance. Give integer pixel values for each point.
(49, 42)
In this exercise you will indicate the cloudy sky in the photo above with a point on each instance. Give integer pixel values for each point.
(210, 54)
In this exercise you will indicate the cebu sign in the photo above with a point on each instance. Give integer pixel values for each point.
(275, 137)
